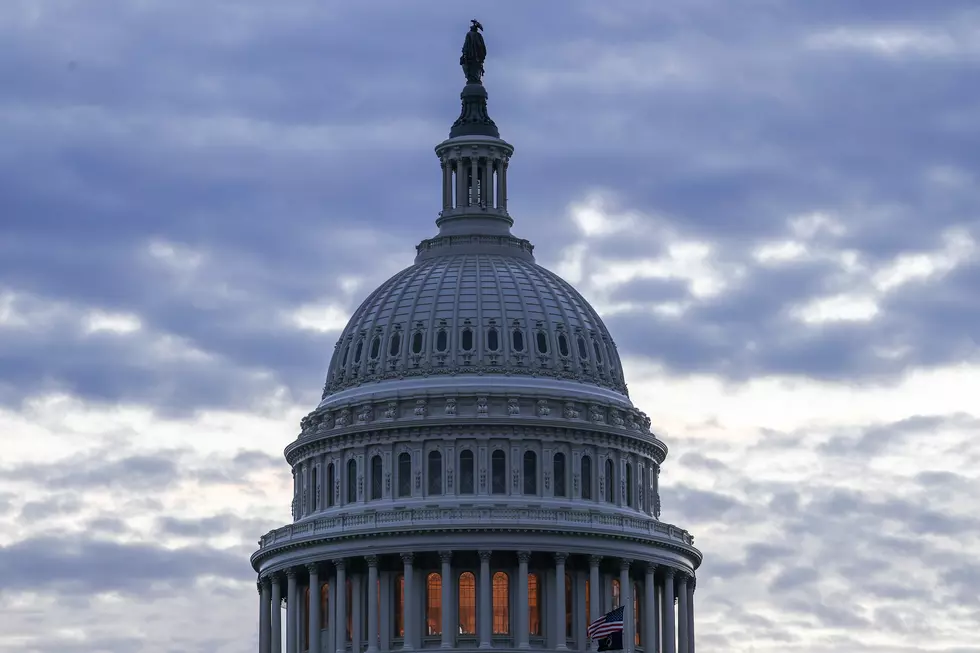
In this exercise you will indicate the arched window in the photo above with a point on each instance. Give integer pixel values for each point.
(517, 340)
(375, 347)
(559, 471)
(610, 481)
(324, 605)
(442, 341)
(568, 606)
(501, 604)
(315, 487)
(498, 472)
(358, 350)
(598, 352)
(583, 351)
(615, 593)
(404, 474)
(467, 604)
(466, 342)
(377, 482)
(530, 473)
(435, 472)
(562, 344)
(351, 480)
(400, 606)
(586, 465)
(629, 485)
(395, 345)
(466, 472)
(433, 604)
(534, 604)
(343, 362)
(330, 482)
(417, 340)
(636, 614)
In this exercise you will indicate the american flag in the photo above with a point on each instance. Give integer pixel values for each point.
(611, 622)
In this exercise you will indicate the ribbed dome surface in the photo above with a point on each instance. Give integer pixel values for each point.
(475, 313)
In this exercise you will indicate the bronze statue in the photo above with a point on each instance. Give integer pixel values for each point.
(474, 54)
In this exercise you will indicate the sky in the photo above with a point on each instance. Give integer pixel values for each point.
(773, 205)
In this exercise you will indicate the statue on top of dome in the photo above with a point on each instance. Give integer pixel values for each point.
(474, 54)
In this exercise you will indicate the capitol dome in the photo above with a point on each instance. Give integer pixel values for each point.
(475, 474)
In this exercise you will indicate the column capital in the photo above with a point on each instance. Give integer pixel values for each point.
(681, 577)
(694, 583)
(524, 556)
(372, 561)
(624, 564)
(485, 556)
(595, 561)
(290, 572)
(669, 572)
(340, 564)
(313, 568)
(651, 567)
(560, 558)
(445, 556)
(408, 558)
(258, 586)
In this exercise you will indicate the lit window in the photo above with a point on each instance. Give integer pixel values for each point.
(467, 604)
(586, 477)
(559, 471)
(588, 600)
(501, 604)
(615, 593)
(530, 473)
(466, 472)
(433, 604)
(435, 472)
(498, 471)
(351, 480)
(400, 607)
(377, 481)
(533, 604)
(325, 605)
(636, 614)
(404, 474)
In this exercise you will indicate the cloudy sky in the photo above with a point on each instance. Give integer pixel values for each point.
(774, 205)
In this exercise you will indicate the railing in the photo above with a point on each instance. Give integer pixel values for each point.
(407, 519)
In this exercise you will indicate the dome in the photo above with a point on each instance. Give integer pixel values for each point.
(475, 475)
(487, 316)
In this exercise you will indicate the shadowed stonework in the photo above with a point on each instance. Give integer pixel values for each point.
(476, 474)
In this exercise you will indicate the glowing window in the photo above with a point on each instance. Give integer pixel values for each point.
(501, 604)
(325, 605)
(636, 614)
(400, 606)
(615, 593)
(534, 604)
(433, 604)
(467, 604)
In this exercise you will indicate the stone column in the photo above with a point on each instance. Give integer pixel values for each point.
(340, 626)
(315, 608)
(503, 182)
(356, 611)
(485, 602)
(499, 165)
(690, 612)
(372, 606)
(474, 177)
(408, 613)
(447, 595)
(276, 615)
(650, 630)
(447, 177)
(387, 591)
(668, 616)
(523, 626)
(292, 610)
(683, 627)
(561, 643)
(594, 590)
(626, 600)
(264, 615)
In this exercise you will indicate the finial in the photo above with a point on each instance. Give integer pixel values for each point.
(474, 53)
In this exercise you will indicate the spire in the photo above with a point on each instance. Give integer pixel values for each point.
(474, 120)
(474, 162)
